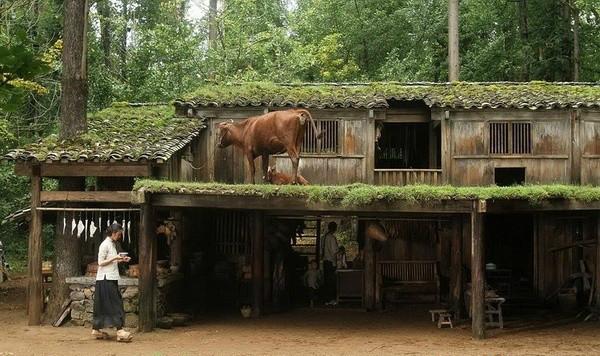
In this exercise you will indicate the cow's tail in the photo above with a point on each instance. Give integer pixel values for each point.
(312, 121)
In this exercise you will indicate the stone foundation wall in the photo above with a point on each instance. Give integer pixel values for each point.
(82, 300)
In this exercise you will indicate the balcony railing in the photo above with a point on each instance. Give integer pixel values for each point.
(408, 176)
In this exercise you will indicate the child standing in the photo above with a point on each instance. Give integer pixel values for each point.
(312, 280)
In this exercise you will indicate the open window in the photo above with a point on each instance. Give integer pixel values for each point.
(402, 145)
(504, 177)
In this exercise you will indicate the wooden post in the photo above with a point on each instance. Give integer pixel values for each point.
(369, 161)
(177, 244)
(598, 260)
(456, 268)
(318, 241)
(575, 148)
(258, 253)
(34, 262)
(446, 147)
(477, 273)
(369, 273)
(147, 263)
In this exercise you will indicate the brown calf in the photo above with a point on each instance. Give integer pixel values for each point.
(279, 178)
(264, 135)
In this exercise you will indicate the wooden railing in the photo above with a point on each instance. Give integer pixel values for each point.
(408, 176)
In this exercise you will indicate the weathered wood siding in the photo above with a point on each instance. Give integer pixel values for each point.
(471, 163)
(590, 147)
(347, 166)
(555, 230)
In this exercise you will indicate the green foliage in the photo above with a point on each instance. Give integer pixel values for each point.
(357, 195)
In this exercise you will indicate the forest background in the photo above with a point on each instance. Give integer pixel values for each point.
(158, 50)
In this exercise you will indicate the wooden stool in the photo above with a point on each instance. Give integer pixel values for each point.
(437, 312)
(445, 319)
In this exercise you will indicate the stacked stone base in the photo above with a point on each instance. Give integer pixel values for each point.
(82, 300)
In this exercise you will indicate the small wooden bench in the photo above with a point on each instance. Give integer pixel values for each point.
(397, 275)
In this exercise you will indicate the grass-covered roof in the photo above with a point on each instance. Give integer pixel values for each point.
(122, 132)
(532, 95)
(357, 195)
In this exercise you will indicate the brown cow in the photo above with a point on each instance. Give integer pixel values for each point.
(264, 135)
(279, 178)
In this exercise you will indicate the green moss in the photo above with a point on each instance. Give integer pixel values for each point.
(363, 195)
(123, 129)
(456, 94)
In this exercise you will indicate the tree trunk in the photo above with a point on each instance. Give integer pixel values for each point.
(123, 39)
(453, 46)
(524, 32)
(212, 23)
(576, 56)
(67, 254)
(73, 121)
(105, 12)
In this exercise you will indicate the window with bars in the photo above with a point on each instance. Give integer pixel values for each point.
(329, 139)
(510, 138)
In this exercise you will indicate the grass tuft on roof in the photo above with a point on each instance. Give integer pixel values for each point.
(122, 131)
(372, 95)
(356, 195)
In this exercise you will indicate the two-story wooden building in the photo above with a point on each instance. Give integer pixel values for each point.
(464, 135)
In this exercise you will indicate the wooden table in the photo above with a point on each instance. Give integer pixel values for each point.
(349, 285)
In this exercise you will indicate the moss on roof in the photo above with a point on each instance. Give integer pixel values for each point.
(531, 95)
(129, 132)
(361, 194)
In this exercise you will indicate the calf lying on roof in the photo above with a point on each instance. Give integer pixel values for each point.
(279, 178)
(264, 135)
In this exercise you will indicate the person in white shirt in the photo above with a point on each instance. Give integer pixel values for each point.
(108, 304)
(330, 250)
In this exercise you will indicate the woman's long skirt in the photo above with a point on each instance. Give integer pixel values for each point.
(108, 305)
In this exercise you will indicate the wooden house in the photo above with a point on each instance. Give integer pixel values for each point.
(462, 137)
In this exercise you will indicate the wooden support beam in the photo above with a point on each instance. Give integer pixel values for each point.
(598, 260)
(456, 288)
(477, 274)
(87, 197)
(284, 205)
(86, 169)
(369, 273)
(258, 253)
(147, 263)
(35, 302)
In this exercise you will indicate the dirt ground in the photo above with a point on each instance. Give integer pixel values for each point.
(407, 331)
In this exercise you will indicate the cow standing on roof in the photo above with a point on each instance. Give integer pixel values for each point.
(264, 135)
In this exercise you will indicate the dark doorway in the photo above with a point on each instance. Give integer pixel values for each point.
(403, 145)
(504, 177)
(509, 255)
